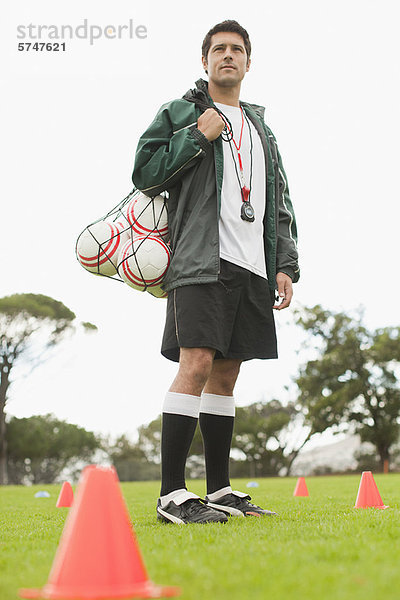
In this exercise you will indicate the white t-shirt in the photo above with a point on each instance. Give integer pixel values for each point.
(242, 242)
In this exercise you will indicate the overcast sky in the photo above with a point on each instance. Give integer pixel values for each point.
(327, 73)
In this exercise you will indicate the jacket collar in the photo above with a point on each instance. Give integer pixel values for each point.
(200, 96)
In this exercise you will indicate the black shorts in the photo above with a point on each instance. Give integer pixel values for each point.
(234, 316)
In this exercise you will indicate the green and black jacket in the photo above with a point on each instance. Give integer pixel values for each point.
(174, 156)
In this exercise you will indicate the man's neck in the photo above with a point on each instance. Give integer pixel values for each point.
(228, 95)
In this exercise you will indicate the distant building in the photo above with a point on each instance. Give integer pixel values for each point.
(331, 458)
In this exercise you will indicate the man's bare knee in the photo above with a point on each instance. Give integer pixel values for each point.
(195, 366)
(223, 376)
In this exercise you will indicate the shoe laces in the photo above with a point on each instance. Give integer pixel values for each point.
(240, 501)
(195, 506)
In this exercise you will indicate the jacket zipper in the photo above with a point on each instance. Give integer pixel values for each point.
(277, 191)
(265, 145)
(217, 206)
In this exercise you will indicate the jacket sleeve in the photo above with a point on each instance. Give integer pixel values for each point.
(164, 154)
(287, 254)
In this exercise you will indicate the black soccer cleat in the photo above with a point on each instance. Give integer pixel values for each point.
(189, 508)
(237, 504)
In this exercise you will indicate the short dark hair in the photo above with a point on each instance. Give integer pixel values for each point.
(229, 25)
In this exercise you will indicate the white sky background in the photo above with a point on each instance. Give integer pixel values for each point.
(327, 73)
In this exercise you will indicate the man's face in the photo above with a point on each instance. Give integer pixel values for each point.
(226, 61)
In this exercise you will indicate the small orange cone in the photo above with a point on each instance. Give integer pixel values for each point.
(368, 494)
(98, 556)
(301, 487)
(66, 496)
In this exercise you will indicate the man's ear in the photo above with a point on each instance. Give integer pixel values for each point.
(248, 65)
(204, 61)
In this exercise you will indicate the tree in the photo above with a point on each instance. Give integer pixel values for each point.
(30, 325)
(131, 461)
(260, 433)
(352, 381)
(149, 440)
(40, 447)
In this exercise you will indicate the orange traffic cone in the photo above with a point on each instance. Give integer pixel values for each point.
(368, 494)
(98, 556)
(66, 495)
(301, 487)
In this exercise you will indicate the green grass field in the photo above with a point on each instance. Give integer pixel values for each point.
(317, 548)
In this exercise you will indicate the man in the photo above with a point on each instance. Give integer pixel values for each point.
(233, 240)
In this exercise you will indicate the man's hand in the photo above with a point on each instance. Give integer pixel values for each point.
(210, 124)
(285, 290)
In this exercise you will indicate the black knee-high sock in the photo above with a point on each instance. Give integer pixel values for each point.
(177, 435)
(179, 420)
(217, 437)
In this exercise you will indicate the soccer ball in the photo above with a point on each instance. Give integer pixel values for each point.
(148, 216)
(98, 246)
(143, 262)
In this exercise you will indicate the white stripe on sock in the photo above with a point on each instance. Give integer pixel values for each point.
(182, 404)
(178, 496)
(213, 404)
(219, 493)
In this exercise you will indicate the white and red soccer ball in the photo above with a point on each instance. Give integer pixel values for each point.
(143, 263)
(98, 247)
(148, 216)
(130, 242)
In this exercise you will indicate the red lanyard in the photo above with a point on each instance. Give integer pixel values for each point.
(245, 189)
